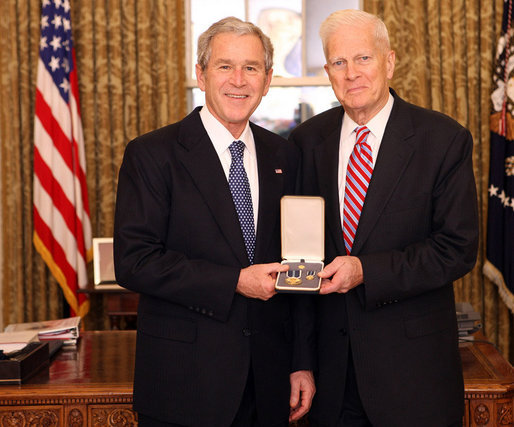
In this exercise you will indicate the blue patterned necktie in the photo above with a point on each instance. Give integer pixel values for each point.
(240, 189)
(358, 175)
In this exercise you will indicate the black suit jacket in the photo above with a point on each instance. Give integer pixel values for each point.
(177, 241)
(417, 233)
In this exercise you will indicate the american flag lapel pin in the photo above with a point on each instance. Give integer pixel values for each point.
(278, 170)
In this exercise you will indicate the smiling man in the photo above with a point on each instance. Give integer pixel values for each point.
(401, 226)
(197, 234)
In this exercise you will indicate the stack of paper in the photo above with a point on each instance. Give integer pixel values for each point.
(59, 329)
(11, 342)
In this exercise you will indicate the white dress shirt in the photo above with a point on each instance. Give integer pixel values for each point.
(376, 126)
(221, 139)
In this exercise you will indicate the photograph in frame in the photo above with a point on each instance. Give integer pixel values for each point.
(103, 263)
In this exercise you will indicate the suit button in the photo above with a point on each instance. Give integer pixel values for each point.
(343, 331)
(210, 313)
(197, 309)
(247, 332)
(204, 311)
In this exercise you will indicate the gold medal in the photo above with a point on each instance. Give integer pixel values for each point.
(310, 275)
(293, 277)
(301, 267)
(293, 280)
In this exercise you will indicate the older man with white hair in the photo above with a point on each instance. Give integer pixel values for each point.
(401, 226)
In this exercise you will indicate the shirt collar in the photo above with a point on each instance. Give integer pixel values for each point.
(376, 125)
(220, 136)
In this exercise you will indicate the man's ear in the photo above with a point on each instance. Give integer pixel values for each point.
(200, 77)
(391, 59)
(269, 76)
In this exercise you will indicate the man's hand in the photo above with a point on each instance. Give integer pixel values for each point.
(341, 275)
(258, 281)
(302, 392)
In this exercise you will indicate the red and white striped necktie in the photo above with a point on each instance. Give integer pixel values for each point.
(358, 175)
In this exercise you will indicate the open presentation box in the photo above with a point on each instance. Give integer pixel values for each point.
(303, 243)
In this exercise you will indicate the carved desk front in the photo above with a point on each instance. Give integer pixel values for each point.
(90, 385)
(488, 384)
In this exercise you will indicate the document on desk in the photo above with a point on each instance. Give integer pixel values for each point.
(59, 329)
(11, 342)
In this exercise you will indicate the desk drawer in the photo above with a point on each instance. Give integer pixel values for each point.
(27, 415)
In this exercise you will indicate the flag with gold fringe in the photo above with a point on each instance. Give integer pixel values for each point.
(62, 228)
(499, 265)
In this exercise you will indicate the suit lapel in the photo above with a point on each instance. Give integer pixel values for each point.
(395, 150)
(327, 160)
(270, 191)
(203, 164)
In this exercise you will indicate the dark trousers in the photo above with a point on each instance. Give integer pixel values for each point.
(144, 421)
(246, 415)
(353, 413)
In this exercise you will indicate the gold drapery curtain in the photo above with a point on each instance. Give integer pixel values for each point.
(445, 55)
(131, 69)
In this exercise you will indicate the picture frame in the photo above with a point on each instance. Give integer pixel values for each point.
(103, 263)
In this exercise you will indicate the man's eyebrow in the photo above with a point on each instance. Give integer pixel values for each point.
(245, 63)
(337, 58)
(223, 60)
(357, 55)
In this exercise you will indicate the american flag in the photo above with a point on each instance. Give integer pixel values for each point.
(499, 266)
(62, 227)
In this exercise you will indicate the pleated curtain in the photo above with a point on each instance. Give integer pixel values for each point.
(131, 69)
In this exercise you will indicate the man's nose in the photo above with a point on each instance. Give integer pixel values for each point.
(237, 77)
(351, 71)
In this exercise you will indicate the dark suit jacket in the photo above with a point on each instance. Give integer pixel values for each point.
(177, 241)
(418, 232)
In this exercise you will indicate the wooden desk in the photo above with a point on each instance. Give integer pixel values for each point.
(92, 386)
(87, 386)
(120, 304)
(489, 385)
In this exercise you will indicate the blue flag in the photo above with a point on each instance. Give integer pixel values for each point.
(499, 266)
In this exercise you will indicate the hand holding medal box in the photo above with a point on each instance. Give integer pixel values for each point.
(303, 243)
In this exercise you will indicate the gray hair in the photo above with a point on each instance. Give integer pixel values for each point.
(354, 17)
(232, 25)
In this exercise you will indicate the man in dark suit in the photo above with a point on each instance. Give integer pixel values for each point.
(401, 225)
(215, 345)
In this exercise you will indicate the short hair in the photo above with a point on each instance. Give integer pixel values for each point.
(353, 17)
(236, 26)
